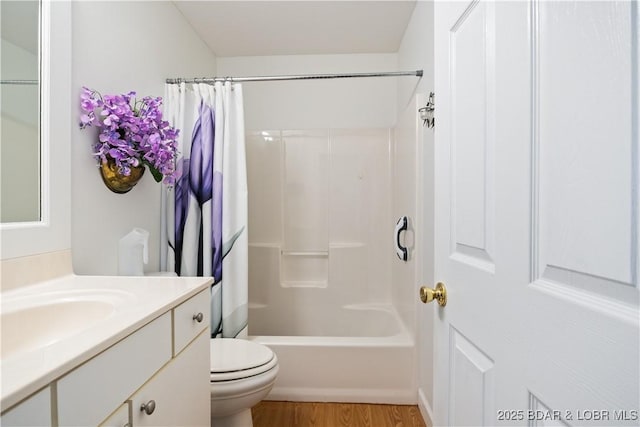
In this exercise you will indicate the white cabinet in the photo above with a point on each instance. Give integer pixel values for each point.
(32, 412)
(179, 394)
(91, 392)
(180, 391)
(165, 361)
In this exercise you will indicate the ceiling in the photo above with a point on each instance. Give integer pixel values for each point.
(256, 28)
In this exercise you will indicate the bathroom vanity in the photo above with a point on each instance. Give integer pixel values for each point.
(85, 350)
(108, 351)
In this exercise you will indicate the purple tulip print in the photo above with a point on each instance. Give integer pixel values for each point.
(197, 178)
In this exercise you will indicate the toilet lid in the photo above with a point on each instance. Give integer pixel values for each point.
(232, 355)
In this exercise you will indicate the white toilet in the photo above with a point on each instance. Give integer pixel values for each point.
(242, 374)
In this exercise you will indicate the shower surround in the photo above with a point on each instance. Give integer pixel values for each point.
(320, 264)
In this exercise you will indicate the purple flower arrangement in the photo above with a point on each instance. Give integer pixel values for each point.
(132, 133)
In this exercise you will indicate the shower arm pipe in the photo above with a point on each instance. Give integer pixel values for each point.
(211, 80)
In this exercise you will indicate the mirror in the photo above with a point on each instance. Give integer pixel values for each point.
(51, 229)
(20, 143)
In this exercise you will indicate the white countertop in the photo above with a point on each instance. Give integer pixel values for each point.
(137, 301)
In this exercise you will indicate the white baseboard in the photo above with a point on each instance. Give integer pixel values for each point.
(354, 395)
(425, 408)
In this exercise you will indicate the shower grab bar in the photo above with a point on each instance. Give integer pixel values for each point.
(305, 253)
(401, 225)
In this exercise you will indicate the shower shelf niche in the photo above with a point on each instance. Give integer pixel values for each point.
(308, 269)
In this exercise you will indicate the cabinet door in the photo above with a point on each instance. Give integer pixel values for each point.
(92, 391)
(35, 411)
(180, 391)
(120, 418)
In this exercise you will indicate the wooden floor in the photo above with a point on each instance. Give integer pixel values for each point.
(302, 414)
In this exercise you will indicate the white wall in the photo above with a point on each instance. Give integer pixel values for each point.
(317, 104)
(416, 51)
(119, 47)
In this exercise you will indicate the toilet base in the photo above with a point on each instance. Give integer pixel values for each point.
(240, 419)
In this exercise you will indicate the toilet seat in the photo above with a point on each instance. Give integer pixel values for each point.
(235, 359)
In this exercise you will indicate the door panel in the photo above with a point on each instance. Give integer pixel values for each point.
(585, 144)
(546, 417)
(536, 213)
(472, 115)
(471, 383)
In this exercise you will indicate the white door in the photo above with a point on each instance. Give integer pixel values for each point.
(536, 193)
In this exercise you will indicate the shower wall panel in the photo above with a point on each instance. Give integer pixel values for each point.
(264, 272)
(360, 208)
(320, 226)
(406, 157)
(306, 191)
(264, 170)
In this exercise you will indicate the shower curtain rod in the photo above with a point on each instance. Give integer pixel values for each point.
(417, 73)
(19, 82)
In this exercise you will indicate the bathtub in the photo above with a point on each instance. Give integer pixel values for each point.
(356, 353)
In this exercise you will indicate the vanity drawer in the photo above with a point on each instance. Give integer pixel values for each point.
(90, 393)
(190, 318)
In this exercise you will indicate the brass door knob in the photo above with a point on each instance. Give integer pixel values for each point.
(439, 294)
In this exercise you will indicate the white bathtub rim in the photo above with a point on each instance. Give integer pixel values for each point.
(402, 339)
(374, 307)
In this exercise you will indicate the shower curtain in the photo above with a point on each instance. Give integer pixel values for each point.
(204, 222)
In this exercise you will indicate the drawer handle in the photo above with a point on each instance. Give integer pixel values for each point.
(148, 407)
(198, 317)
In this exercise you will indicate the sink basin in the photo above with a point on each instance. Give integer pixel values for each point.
(42, 325)
(36, 321)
